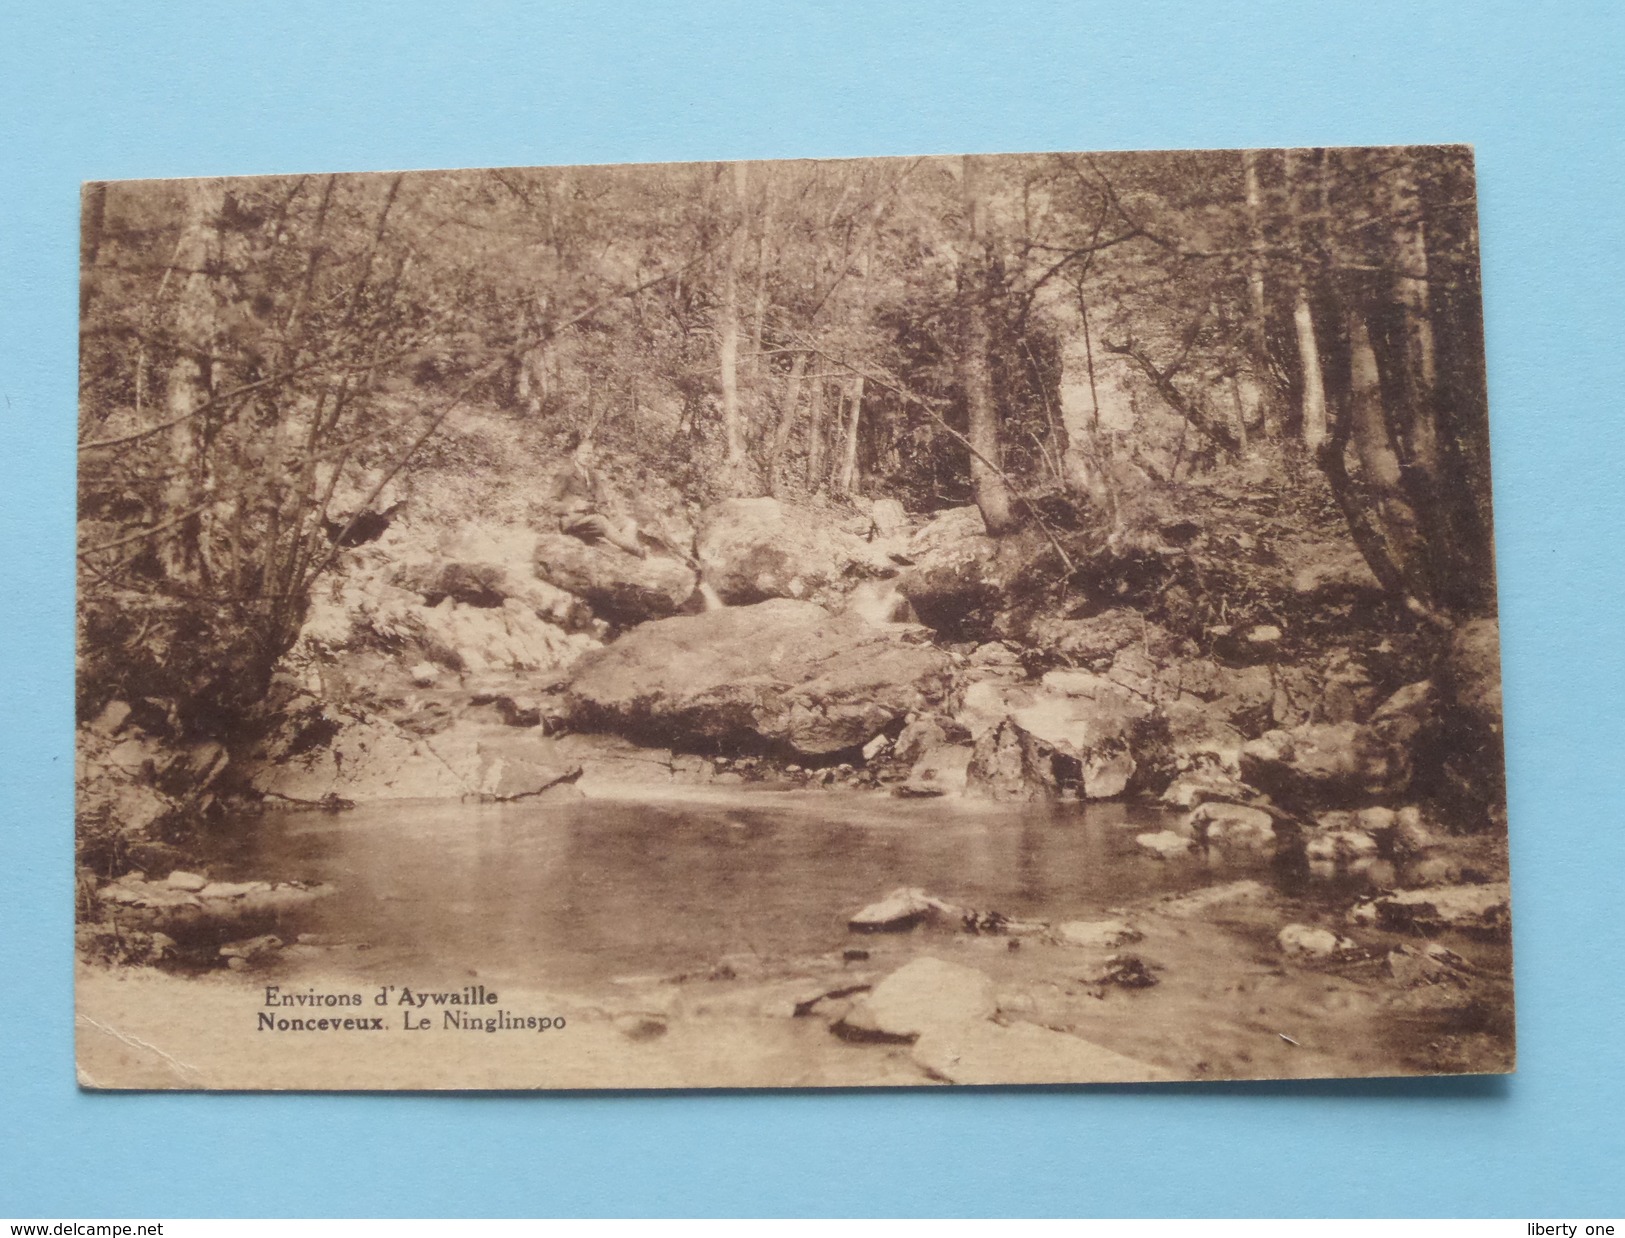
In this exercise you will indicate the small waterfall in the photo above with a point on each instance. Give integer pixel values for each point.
(703, 598)
(881, 602)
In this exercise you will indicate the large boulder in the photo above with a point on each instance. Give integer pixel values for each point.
(887, 518)
(485, 565)
(955, 533)
(751, 550)
(1200, 737)
(1346, 762)
(922, 995)
(1010, 764)
(620, 587)
(785, 674)
(1321, 763)
(1091, 724)
(509, 637)
(1233, 827)
(114, 783)
(954, 585)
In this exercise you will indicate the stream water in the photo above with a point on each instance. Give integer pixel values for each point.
(574, 894)
(742, 896)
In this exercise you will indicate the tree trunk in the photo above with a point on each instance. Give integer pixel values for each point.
(1082, 458)
(758, 328)
(1257, 304)
(787, 420)
(1416, 428)
(815, 435)
(728, 322)
(1380, 464)
(847, 470)
(1315, 428)
(975, 373)
(187, 381)
(1314, 382)
(1240, 406)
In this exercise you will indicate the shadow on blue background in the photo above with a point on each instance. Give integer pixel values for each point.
(182, 89)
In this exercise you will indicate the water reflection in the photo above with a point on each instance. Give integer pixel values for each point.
(575, 893)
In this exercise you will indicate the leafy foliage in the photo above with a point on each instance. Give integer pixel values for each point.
(264, 359)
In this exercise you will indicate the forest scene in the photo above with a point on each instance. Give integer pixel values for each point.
(984, 619)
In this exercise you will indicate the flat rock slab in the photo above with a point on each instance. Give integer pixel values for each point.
(988, 1053)
(160, 905)
(362, 761)
(1165, 844)
(1199, 903)
(898, 912)
(1469, 908)
(505, 776)
(788, 673)
(927, 993)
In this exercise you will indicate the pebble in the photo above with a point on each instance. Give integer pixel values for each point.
(1309, 942)
(1165, 844)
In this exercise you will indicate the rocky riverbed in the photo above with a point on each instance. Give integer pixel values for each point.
(724, 933)
(1303, 876)
(1234, 977)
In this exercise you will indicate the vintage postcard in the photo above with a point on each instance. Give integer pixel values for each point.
(977, 620)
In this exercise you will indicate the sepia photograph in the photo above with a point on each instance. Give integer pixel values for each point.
(942, 620)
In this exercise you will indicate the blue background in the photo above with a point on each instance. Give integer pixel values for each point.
(140, 90)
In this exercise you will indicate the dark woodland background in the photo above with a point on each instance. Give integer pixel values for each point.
(885, 328)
